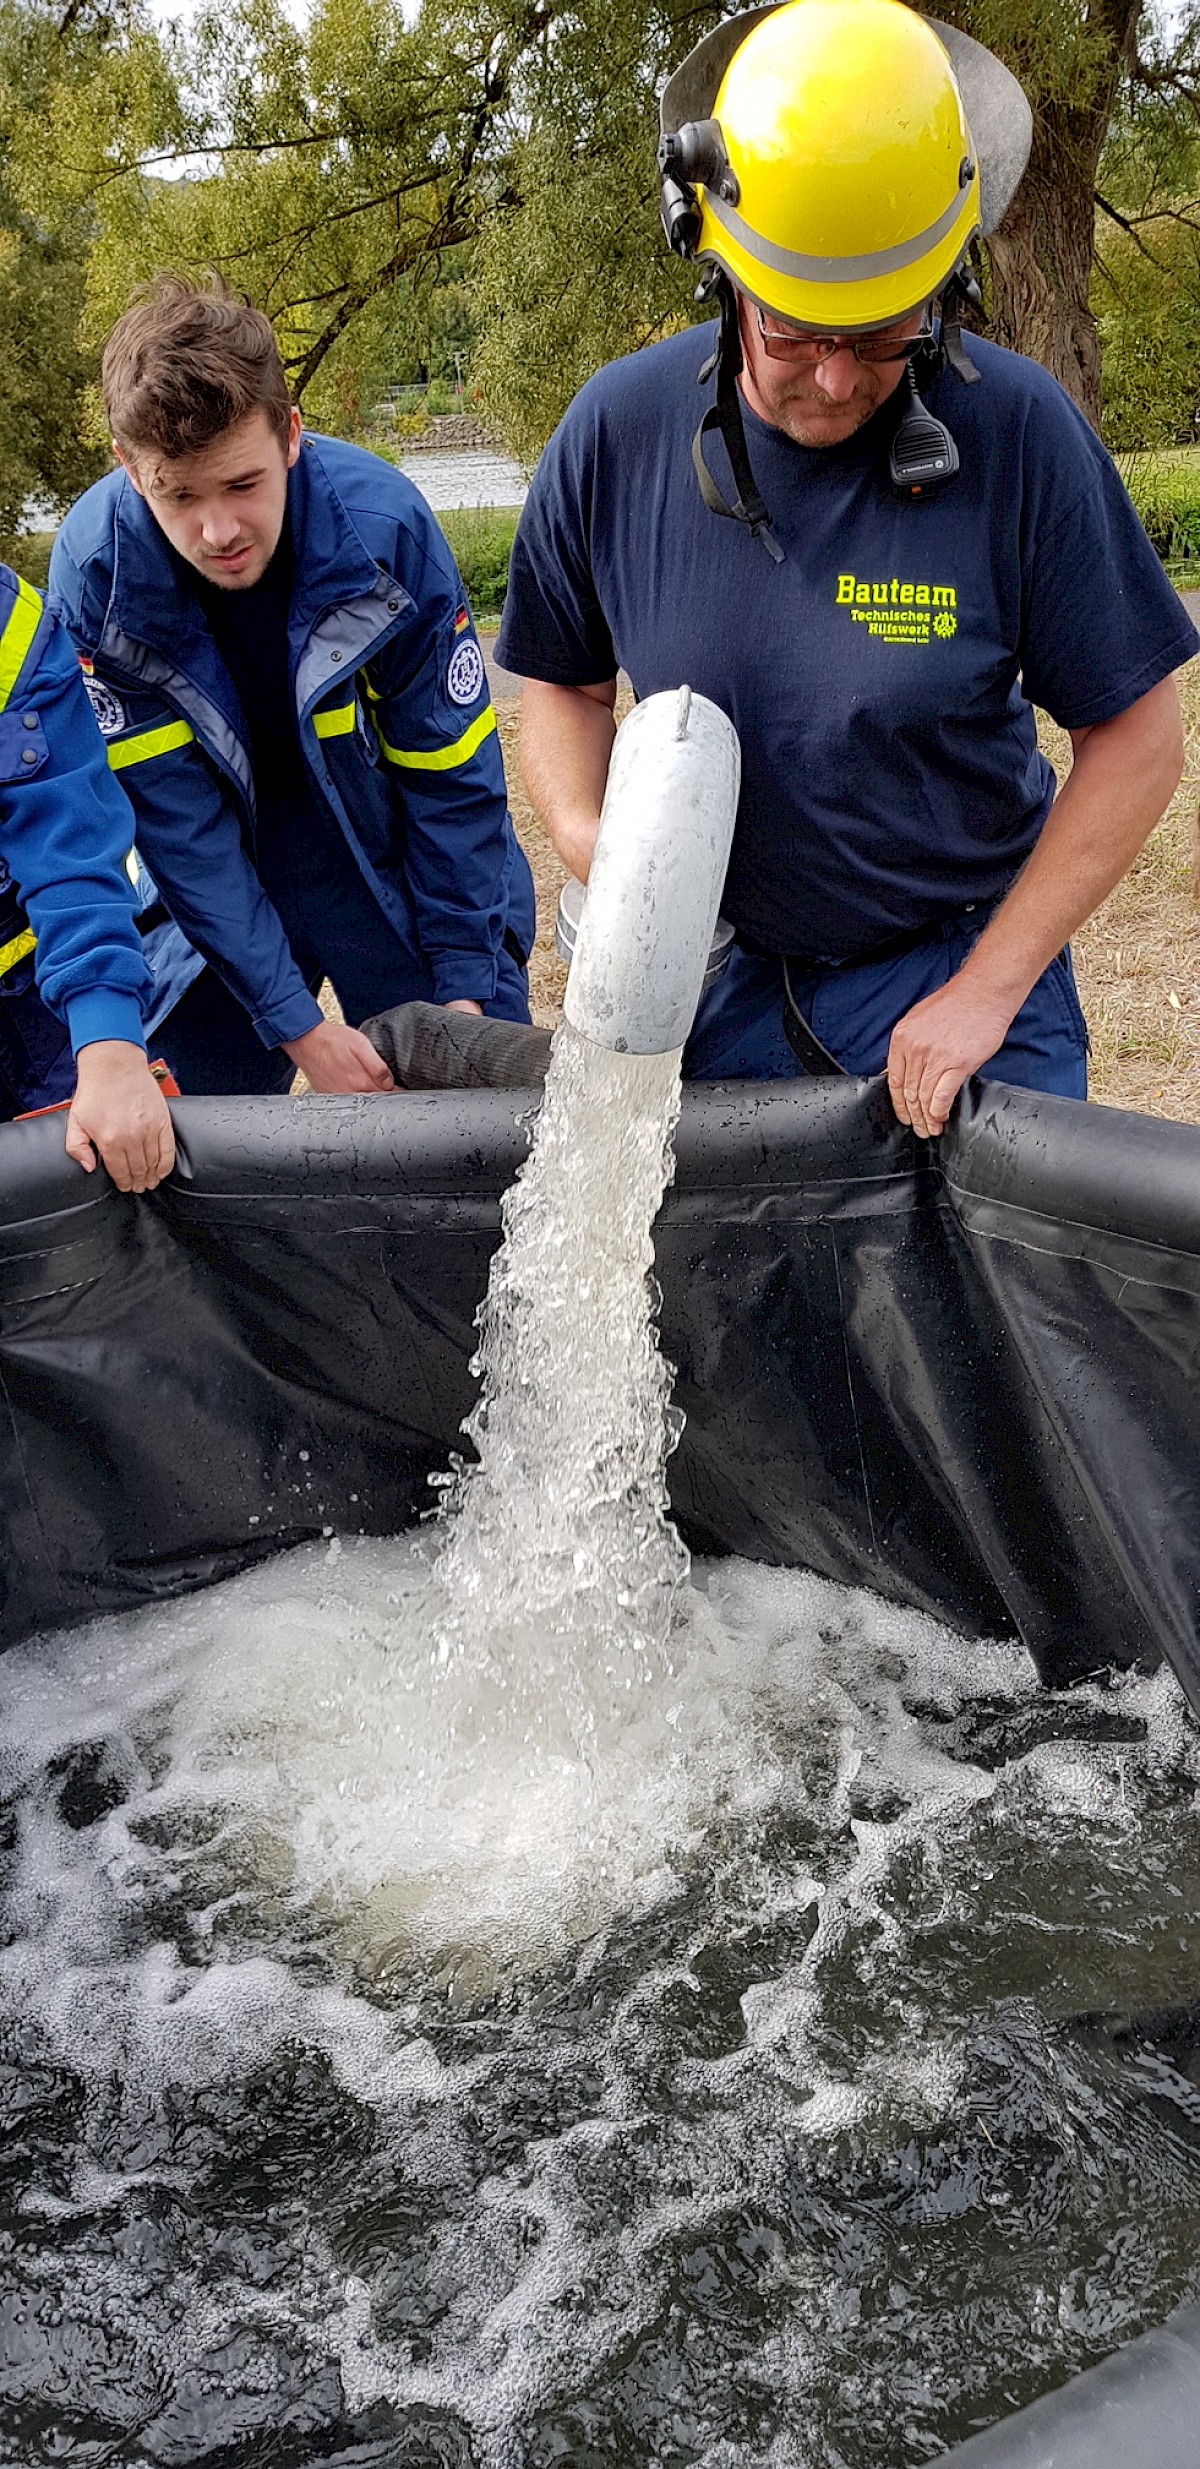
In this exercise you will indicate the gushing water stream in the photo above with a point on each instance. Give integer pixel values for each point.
(561, 1568)
(485, 2000)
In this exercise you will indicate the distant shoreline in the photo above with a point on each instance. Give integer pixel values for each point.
(449, 433)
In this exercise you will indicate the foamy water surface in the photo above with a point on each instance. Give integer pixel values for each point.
(798, 2071)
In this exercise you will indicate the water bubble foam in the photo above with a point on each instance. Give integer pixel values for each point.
(529, 2064)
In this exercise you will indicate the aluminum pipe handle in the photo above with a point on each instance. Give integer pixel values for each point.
(654, 891)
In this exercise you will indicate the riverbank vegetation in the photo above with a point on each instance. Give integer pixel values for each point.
(460, 199)
(481, 538)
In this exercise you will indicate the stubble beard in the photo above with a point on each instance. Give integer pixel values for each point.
(809, 421)
(226, 582)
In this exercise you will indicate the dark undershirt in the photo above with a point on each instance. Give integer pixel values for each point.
(332, 921)
(250, 629)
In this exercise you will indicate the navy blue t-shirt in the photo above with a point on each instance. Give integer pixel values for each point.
(881, 679)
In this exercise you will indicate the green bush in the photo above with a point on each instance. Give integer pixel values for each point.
(481, 538)
(1165, 488)
(29, 555)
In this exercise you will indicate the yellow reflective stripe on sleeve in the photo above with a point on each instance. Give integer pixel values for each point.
(125, 750)
(24, 618)
(443, 758)
(10, 953)
(339, 723)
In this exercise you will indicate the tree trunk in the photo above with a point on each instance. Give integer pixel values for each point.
(1041, 261)
(1041, 256)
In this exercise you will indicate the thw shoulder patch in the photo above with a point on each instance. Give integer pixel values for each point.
(464, 675)
(107, 706)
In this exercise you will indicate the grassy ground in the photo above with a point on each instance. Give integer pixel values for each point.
(1138, 961)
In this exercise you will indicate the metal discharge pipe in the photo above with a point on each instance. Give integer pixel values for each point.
(654, 890)
(640, 939)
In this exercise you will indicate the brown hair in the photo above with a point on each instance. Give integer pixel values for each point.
(185, 363)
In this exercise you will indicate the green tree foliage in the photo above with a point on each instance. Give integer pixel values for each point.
(575, 270)
(334, 173)
(1073, 58)
(572, 268)
(1147, 277)
(46, 228)
(398, 186)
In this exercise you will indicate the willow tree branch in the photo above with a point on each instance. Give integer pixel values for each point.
(1130, 229)
(356, 298)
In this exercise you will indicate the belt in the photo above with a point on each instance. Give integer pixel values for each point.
(819, 964)
(801, 1036)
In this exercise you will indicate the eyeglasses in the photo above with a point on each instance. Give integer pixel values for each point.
(788, 343)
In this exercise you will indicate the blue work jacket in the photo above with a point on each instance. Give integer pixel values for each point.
(394, 719)
(66, 897)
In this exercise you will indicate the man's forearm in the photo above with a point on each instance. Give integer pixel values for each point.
(567, 737)
(1124, 775)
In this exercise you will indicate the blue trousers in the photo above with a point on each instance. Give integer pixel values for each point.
(739, 1032)
(213, 1048)
(37, 1067)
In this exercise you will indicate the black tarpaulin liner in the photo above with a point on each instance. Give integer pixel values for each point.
(1139, 2409)
(964, 1375)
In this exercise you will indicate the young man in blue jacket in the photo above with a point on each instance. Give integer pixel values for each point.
(74, 982)
(283, 664)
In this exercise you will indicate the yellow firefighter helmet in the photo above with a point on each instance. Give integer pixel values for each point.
(836, 157)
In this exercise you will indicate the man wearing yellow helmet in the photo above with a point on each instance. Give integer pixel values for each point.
(926, 540)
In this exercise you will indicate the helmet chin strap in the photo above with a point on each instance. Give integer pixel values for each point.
(726, 415)
(962, 291)
(922, 457)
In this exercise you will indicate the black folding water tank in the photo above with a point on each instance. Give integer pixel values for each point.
(965, 1375)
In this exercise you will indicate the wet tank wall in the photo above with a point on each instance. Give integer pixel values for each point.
(965, 1378)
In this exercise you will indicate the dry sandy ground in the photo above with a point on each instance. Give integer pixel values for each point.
(1138, 962)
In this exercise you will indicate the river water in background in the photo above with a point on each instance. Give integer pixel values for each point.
(466, 476)
(497, 1998)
